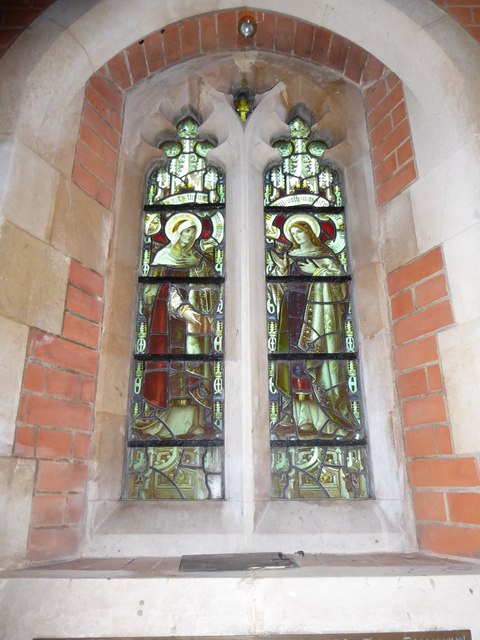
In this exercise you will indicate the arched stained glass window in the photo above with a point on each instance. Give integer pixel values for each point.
(318, 443)
(175, 431)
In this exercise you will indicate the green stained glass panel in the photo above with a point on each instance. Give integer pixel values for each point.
(177, 400)
(316, 428)
(312, 473)
(183, 244)
(179, 319)
(307, 317)
(305, 244)
(175, 427)
(186, 177)
(314, 399)
(302, 178)
(163, 473)
(172, 148)
(317, 148)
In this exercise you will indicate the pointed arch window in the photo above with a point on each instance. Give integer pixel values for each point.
(175, 431)
(318, 442)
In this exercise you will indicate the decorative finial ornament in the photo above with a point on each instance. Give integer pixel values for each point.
(243, 103)
(247, 26)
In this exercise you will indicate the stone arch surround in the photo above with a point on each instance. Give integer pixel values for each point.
(428, 444)
(18, 16)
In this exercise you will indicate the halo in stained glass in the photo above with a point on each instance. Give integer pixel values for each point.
(316, 430)
(327, 247)
(175, 430)
(183, 243)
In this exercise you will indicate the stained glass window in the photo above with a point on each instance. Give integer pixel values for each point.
(175, 430)
(317, 437)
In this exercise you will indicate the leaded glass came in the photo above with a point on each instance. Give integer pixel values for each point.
(175, 431)
(318, 442)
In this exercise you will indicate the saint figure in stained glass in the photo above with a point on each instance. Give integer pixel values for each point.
(182, 317)
(176, 412)
(310, 318)
(180, 258)
(325, 304)
(313, 388)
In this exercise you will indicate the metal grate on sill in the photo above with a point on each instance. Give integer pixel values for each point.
(236, 562)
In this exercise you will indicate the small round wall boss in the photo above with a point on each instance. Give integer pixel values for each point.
(247, 26)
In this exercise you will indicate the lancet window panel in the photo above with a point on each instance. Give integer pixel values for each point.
(175, 430)
(317, 434)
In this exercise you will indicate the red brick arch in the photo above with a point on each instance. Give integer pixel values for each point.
(389, 130)
(62, 369)
(17, 15)
(465, 12)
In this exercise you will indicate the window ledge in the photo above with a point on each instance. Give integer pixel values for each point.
(151, 528)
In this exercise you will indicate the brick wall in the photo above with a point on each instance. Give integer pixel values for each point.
(55, 418)
(96, 155)
(390, 137)
(17, 15)
(465, 12)
(445, 486)
(97, 152)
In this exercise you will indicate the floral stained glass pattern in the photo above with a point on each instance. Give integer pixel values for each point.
(175, 430)
(317, 434)
(319, 472)
(175, 472)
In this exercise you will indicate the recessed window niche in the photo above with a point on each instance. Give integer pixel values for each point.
(247, 518)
